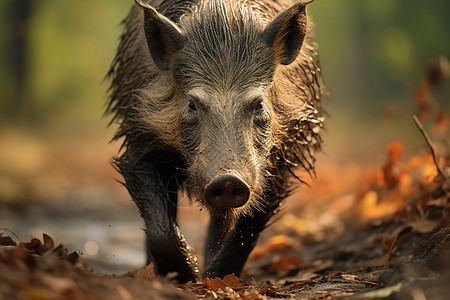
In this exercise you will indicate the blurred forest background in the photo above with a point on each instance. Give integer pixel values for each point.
(54, 139)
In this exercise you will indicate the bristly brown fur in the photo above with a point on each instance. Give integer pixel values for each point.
(206, 88)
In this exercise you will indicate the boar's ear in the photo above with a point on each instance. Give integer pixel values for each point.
(164, 38)
(286, 33)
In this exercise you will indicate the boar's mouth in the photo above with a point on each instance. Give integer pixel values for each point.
(227, 191)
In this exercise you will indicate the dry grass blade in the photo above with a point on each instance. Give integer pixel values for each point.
(430, 145)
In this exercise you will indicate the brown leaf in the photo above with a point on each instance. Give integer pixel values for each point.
(268, 290)
(6, 241)
(381, 261)
(422, 101)
(279, 243)
(299, 283)
(425, 226)
(233, 281)
(48, 241)
(146, 273)
(215, 283)
(390, 244)
(72, 257)
(271, 291)
(286, 263)
(229, 281)
(60, 251)
(35, 246)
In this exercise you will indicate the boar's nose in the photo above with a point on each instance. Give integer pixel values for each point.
(227, 191)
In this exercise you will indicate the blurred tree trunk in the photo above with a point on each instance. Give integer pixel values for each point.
(20, 14)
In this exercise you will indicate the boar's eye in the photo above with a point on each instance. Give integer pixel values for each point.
(259, 106)
(192, 106)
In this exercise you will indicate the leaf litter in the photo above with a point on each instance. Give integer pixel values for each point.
(398, 224)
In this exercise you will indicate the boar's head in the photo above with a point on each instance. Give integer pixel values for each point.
(223, 59)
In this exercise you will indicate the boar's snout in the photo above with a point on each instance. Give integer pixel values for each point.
(227, 191)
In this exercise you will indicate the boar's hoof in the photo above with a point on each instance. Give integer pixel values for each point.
(227, 191)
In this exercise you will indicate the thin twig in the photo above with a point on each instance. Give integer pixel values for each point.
(430, 145)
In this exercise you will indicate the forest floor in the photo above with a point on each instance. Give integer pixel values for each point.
(373, 232)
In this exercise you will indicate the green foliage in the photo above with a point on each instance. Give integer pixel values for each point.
(370, 50)
(382, 46)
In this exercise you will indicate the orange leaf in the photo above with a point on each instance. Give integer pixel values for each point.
(429, 173)
(388, 177)
(268, 290)
(372, 207)
(395, 150)
(233, 281)
(229, 280)
(215, 283)
(279, 243)
(416, 162)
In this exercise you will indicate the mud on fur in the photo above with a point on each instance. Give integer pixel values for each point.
(220, 99)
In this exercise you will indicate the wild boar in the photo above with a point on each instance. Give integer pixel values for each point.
(220, 99)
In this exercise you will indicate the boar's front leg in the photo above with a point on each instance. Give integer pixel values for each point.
(155, 194)
(235, 246)
(227, 253)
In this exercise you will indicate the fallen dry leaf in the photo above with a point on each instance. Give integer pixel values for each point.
(48, 241)
(268, 290)
(279, 243)
(229, 281)
(214, 283)
(286, 263)
(233, 281)
(146, 272)
(35, 246)
(372, 207)
(424, 226)
(395, 150)
(390, 244)
(6, 241)
(299, 283)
